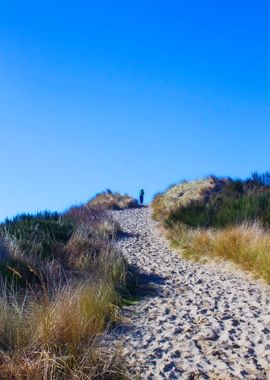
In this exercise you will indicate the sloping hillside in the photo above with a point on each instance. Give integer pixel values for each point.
(224, 218)
(184, 193)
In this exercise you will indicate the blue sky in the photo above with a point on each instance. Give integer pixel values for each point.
(124, 95)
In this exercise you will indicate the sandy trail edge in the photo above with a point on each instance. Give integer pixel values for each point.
(202, 322)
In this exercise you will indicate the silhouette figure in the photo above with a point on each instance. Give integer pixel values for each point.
(141, 196)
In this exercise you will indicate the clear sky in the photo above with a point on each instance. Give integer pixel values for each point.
(129, 94)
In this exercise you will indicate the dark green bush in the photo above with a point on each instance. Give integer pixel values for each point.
(37, 249)
(38, 235)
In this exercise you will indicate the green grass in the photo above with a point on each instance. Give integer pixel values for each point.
(238, 201)
(39, 234)
(223, 210)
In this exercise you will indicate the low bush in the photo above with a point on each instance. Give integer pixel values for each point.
(38, 235)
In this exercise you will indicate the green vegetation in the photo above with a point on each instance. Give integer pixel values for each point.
(238, 201)
(220, 217)
(62, 286)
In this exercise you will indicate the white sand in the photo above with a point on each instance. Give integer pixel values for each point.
(203, 322)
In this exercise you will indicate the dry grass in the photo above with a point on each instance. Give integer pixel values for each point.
(113, 201)
(247, 245)
(55, 337)
(56, 308)
(184, 193)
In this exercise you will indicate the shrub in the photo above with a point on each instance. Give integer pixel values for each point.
(38, 235)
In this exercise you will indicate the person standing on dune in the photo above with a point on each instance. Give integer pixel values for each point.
(141, 196)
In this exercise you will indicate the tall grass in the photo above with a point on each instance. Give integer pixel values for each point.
(247, 245)
(56, 337)
(61, 281)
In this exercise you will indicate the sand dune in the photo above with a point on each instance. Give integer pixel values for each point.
(202, 322)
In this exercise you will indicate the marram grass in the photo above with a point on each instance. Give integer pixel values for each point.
(247, 245)
(60, 284)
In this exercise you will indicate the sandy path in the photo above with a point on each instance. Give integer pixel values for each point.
(202, 323)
